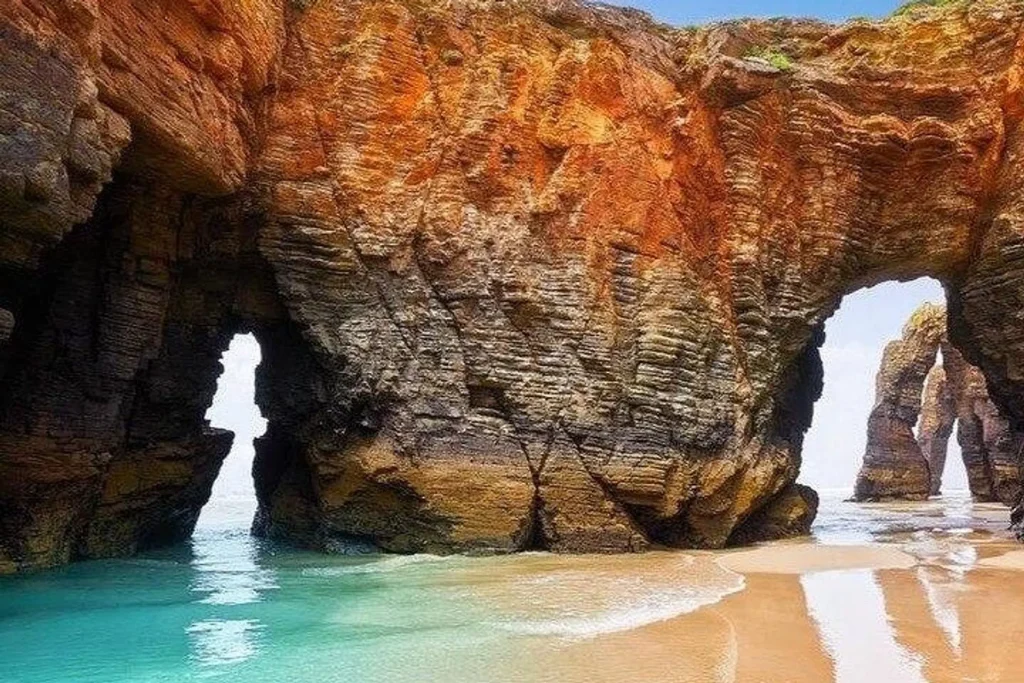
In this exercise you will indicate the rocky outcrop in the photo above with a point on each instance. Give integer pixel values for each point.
(894, 464)
(529, 274)
(990, 445)
(789, 514)
(955, 392)
(938, 415)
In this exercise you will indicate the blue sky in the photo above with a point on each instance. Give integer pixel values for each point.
(698, 11)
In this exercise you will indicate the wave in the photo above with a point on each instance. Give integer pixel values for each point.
(383, 565)
(650, 608)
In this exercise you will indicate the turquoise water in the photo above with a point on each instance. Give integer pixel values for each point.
(230, 607)
(227, 606)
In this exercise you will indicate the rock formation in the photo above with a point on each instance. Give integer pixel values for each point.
(894, 464)
(526, 274)
(990, 446)
(897, 462)
(938, 415)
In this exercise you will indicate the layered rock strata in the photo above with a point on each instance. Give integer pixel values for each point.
(899, 461)
(894, 464)
(991, 446)
(528, 274)
(938, 415)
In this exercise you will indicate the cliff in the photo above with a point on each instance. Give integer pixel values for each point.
(899, 463)
(526, 274)
(894, 464)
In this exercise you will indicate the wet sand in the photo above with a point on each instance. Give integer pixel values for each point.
(938, 604)
(805, 558)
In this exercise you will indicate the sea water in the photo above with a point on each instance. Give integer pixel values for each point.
(227, 606)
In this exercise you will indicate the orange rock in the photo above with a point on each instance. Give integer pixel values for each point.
(476, 240)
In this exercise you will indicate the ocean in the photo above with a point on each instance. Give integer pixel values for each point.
(227, 606)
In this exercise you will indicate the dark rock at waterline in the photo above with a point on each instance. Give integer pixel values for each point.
(524, 275)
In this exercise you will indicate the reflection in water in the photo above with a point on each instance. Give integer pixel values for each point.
(941, 600)
(217, 642)
(236, 608)
(850, 611)
(226, 569)
(227, 576)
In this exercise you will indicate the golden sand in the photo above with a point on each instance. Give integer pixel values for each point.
(1012, 560)
(802, 558)
(901, 624)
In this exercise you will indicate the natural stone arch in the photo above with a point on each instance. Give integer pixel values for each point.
(990, 444)
(548, 275)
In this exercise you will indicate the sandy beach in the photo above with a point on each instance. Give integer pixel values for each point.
(907, 607)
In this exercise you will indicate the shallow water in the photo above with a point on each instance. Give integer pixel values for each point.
(889, 592)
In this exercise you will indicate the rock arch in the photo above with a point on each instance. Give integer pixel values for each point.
(530, 274)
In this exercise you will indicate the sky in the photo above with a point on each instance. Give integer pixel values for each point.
(684, 12)
(234, 408)
(857, 334)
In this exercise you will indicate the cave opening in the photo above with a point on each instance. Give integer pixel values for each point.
(848, 414)
(232, 500)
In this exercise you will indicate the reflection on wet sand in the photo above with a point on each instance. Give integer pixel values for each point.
(884, 594)
(903, 606)
(770, 631)
(850, 611)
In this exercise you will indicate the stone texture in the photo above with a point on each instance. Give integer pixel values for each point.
(953, 393)
(938, 415)
(990, 445)
(789, 514)
(526, 274)
(894, 464)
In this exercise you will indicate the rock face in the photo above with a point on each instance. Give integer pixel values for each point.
(938, 415)
(897, 462)
(894, 464)
(991, 446)
(526, 274)
(789, 514)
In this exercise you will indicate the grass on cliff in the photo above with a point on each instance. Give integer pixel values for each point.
(778, 59)
(919, 4)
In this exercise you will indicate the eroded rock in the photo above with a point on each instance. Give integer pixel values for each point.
(894, 465)
(990, 444)
(789, 514)
(526, 274)
(954, 393)
(938, 415)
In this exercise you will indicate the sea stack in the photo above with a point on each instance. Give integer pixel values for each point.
(955, 393)
(894, 465)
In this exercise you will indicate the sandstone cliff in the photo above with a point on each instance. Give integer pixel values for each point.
(901, 464)
(938, 415)
(526, 274)
(990, 445)
(894, 464)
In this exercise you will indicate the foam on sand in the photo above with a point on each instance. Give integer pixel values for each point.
(586, 596)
